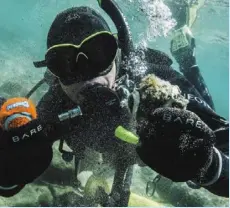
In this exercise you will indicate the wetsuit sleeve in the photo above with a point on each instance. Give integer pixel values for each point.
(217, 177)
(53, 102)
(192, 73)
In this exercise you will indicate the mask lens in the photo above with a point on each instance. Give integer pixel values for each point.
(101, 51)
(94, 56)
(61, 60)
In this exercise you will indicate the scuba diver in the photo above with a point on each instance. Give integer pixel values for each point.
(184, 11)
(183, 44)
(89, 71)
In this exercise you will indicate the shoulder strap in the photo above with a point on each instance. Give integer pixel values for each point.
(133, 102)
(128, 94)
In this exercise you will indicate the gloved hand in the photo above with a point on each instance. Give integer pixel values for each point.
(183, 47)
(21, 159)
(176, 144)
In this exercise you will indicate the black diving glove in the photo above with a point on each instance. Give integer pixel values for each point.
(176, 144)
(25, 152)
(183, 48)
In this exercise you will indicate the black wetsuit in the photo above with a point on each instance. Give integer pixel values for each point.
(56, 101)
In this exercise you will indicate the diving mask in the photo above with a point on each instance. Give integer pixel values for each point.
(92, 58)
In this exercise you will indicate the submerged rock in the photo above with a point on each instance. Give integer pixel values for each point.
(12, 89)
(32, 195)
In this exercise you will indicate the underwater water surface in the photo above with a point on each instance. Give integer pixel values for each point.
(23, 30)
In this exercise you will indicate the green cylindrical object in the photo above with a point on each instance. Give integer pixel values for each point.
(126, 135)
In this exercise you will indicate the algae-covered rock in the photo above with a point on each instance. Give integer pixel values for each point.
(179, 194)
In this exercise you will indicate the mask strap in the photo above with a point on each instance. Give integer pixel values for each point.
(40, 64)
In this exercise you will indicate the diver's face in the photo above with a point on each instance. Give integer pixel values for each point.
(73, 90)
